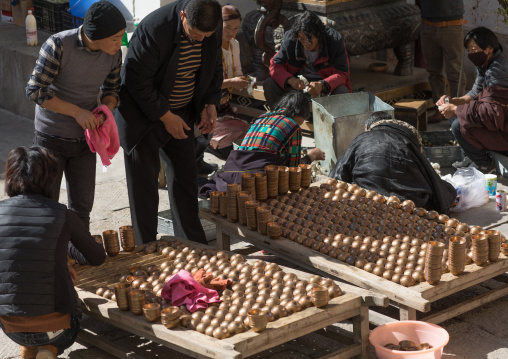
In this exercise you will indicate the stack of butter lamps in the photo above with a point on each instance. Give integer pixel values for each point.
(260, 293)
(384, 236)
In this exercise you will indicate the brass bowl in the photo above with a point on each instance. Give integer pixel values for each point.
(152, 312)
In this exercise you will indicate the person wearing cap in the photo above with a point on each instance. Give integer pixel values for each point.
(171, 80)
(74, 69)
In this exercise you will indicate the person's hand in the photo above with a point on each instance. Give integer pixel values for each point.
(101, 118)
(315, 88)
(208, 119)
(296, 83)
(316, 154)
(86, 119)
(175, 125)
(239, 82)
(448, 110)
(441, 101)
(73, 273)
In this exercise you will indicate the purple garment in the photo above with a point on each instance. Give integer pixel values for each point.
(183, 289)
(239, 162)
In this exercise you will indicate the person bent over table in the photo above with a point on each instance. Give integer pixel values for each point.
(313, 50)
(273, 139)
(389, 158)
(37, 297)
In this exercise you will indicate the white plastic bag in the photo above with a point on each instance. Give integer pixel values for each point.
(471, 187)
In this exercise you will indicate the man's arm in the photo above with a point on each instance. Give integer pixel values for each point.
(279, 63)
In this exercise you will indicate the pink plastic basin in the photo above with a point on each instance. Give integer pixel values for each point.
(416, 331)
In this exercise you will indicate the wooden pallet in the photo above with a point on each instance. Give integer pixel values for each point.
(349, 306)
(409, 300)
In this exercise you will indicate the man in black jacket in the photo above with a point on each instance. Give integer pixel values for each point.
(171, 79)
(314, 51)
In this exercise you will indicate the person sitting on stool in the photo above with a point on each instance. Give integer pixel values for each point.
(37, 297)
(314, 51)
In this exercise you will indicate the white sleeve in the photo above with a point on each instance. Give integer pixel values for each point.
(236, 56)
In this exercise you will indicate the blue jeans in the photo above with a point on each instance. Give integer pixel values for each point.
(78, 163)
(61, 341)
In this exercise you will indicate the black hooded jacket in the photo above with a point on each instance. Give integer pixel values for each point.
(388, 160)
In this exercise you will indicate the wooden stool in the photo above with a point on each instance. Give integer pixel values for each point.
(413, 112)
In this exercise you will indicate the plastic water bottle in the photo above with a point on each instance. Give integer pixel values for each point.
(31, 29)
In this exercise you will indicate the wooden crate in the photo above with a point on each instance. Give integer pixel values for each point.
(413, 112)
(409, 300)
(346, 307)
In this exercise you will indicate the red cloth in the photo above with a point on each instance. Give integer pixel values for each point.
(183, 289)
(207, 280)
(104, 139)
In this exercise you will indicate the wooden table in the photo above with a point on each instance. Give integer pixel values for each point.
(349, 306)
(408, 300)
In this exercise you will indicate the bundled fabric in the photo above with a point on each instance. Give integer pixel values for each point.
(389, 160)
(104, 139)
(183, 289)
(207, 280)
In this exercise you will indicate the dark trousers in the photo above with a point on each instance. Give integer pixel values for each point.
(62, 341)
(478, 156)
(78, 163)
(273, 92)
(142, 169)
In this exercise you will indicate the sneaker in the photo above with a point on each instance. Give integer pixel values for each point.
(205, 168)
(466, 162)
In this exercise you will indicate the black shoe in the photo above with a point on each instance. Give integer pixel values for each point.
(205, 168)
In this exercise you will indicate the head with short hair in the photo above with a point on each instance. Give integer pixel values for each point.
(309, 25)
(294, 104)
(30, 171)
(203, 15)
(483, 37)
(376, 117)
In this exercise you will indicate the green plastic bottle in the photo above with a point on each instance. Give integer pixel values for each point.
(125, 40)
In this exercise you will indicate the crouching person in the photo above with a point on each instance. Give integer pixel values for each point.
(37, 296)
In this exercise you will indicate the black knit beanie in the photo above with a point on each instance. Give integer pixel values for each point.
(102, 20)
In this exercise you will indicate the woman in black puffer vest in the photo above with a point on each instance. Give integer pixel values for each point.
(37, 297)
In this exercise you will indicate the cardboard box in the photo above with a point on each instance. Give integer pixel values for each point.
(6, 16)
(20, 11)
(5, 5)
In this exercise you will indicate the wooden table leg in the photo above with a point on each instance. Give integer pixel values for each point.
(407, 313)
(361, 331)
(223, 239)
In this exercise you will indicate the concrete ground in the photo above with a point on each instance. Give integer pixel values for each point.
(482, 333)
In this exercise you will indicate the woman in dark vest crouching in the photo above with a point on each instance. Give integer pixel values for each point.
(37, 297)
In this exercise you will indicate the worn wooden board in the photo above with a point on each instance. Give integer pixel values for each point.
(192, 343)
(418, 297)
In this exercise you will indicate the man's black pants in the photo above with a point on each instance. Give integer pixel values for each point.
(142, 170)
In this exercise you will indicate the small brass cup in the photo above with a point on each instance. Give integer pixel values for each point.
(136, 301)
(121, 293)
(257, 320)
(152, 312)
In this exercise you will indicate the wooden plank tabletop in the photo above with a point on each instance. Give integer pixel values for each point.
(418, 297)
(200, 345)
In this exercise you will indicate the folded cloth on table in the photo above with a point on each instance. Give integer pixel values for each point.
(104, 139)
(207, 280)
(183, 289)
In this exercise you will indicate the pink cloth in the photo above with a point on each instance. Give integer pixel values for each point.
(104, 139)
(182, 289)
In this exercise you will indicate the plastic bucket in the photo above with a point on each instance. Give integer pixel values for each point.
(416, 331)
